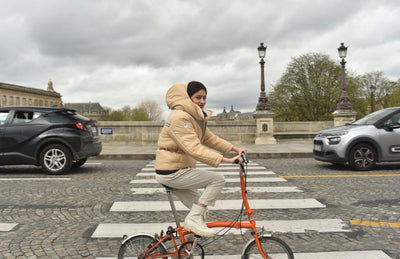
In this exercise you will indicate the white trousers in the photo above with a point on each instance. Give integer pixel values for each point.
(186, 183)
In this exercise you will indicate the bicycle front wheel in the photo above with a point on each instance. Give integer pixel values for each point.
(274, 248)
(137, 246)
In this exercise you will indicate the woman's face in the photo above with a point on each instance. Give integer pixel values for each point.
(199, 98)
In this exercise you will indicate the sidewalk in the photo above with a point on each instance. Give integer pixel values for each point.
(290, 149)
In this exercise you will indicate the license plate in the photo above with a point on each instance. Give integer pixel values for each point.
(317, 147)
(94, 130)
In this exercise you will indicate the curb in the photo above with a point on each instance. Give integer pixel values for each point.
(250, 155)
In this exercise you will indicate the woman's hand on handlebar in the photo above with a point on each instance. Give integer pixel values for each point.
(234, 160)
(240, 150)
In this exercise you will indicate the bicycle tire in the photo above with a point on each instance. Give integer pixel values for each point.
(135, 247)
(197, 253)
(273, 246)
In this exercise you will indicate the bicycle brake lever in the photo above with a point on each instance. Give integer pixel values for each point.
(244, 158)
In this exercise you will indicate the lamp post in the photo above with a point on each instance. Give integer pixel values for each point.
(262, 104)
(344, 103)
(372, 87)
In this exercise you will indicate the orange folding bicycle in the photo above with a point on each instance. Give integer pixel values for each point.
(146, 246)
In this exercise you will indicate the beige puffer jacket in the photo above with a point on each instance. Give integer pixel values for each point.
(185, 137)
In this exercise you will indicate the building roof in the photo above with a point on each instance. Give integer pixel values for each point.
(85, 106)
(28, 90)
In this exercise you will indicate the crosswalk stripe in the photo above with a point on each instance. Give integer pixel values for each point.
(226, 189)
(221, 172)
(35, 179)
(365, 254)
(140, 206)
(7, 226)
(199, 164)
(117, 230)
(151, 169)
(228, 180)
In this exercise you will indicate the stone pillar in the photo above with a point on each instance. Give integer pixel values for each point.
(342, 117)
(265, 127)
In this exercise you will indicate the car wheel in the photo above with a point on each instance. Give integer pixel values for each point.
(55, 159)
(79, 162)
(362, 157)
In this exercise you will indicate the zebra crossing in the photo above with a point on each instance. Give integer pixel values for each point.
(145, 184)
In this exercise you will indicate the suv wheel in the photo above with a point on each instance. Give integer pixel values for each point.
(55, 159)
(362, 157)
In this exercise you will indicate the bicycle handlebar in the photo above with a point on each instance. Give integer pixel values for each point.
(244, 158)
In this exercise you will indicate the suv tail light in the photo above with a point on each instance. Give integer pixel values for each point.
(79, 125)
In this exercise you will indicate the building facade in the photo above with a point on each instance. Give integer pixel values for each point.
(91, 110)
(15, 95)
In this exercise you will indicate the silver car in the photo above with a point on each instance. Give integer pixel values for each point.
(374, 138)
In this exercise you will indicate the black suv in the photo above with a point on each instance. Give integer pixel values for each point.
(54, 138)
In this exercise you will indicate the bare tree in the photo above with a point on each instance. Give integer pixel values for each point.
(151, 109)
(383, 87)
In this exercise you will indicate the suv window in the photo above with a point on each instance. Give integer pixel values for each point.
(25, 117)
(3, 117)
(394, 120)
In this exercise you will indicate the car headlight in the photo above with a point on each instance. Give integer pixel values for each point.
(334, 139)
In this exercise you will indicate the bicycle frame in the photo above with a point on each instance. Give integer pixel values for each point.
(224, 224)
(169, 236)
(249, 212)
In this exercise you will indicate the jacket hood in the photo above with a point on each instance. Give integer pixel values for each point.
(177, 98)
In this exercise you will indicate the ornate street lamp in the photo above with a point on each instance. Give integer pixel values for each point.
(262, 104)
(372, 87)
(344, 103)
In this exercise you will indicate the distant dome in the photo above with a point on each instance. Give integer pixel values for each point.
(50, 86)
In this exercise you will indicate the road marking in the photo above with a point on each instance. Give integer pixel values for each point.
(140, 206)
(117, 230)
(369, 254)
(375, 224)
(7, 226)
(228, 180)
(93, 163)
(341, 175)
(225, 190)
(35, 179)
(221, 172)
(209, 168)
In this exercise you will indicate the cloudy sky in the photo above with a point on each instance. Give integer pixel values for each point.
(122, 52)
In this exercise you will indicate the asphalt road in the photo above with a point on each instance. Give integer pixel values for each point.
(44, 216)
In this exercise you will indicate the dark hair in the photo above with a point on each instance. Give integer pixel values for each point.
(194, 86)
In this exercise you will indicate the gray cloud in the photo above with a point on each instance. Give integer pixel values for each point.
(121, 52)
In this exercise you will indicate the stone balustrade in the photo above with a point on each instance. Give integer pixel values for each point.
(237, 132)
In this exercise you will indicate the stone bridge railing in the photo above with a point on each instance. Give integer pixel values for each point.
(237, 132)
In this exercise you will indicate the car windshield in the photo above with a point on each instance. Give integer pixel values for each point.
(373, 117)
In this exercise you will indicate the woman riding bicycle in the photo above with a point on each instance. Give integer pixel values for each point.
(184, 140)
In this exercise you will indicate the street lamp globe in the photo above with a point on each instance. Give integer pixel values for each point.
(372, 87)
(261, 50)
(342, 51)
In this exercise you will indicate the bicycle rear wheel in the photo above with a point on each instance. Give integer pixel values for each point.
(136, 246)
(274, 248)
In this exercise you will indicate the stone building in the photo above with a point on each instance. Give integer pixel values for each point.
(232, 115)
(16, 95)
(91, 110)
